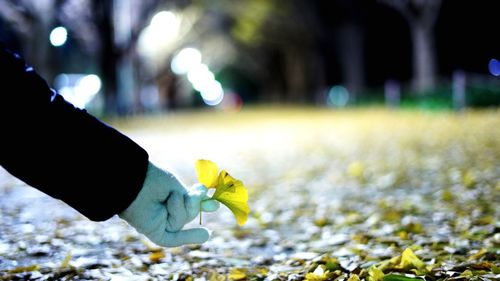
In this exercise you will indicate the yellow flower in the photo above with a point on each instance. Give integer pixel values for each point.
(228, 190)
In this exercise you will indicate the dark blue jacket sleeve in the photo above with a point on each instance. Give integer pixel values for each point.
(64, 151)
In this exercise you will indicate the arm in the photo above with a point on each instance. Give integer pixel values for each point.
(64, 151)
(70, 155)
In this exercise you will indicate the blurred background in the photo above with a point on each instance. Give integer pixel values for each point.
(126, 57)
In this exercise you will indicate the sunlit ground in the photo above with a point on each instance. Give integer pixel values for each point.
(333, 194)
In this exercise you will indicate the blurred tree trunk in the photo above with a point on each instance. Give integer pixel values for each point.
(350, 52)
(37, 49)
(339, 28)
(32, 22)
(107, 56)
(119, 24)
(294, 67)
(424, 58)
(421, 16)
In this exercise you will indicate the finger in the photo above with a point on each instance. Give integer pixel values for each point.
(155, 222)
(177, 215)
(193, 201)
(198, 190)
(193, 205)
(210, 205)
(179, 238)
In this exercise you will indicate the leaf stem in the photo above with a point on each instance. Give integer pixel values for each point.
(200, 212)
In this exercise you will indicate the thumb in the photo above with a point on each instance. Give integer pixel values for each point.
(209, 205)
(193, 200)
(179, 238)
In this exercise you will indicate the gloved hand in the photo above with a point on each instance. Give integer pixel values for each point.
(164, 206)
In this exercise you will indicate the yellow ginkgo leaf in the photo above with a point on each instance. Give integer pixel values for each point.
(232, 193)
(409, 260)
(237, 274)
(207, 173)
(319, 274)
(375, 274)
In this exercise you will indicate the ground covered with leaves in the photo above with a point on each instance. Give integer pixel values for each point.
(362, 194)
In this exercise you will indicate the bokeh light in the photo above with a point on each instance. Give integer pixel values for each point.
(212, 93)
(232, 102)
(200, 76)
(58, 36)
(163, 19)
(203, 80)
(338, 96)
(78, 89)
(494, 67)
(185, 60)
(159, 35)
(88, 85)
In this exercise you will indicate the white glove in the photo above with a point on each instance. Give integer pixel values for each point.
(164, 206)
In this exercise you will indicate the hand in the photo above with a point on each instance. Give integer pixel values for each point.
(164, 206)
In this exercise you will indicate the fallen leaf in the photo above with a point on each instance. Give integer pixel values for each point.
(478, 255)
(356, 170)
(237, 274)
(397, 277)
(319, 274)
(156, 256)
(375, 274)
(408, 260)
(353, 277)
(214, 276)
(28, 268)
(67, 259)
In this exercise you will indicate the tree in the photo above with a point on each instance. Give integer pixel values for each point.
(341, 30)
(31, 20)
(275, 45)
(105, 30)
(109, 30)
(421, 16)
(281, 44)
